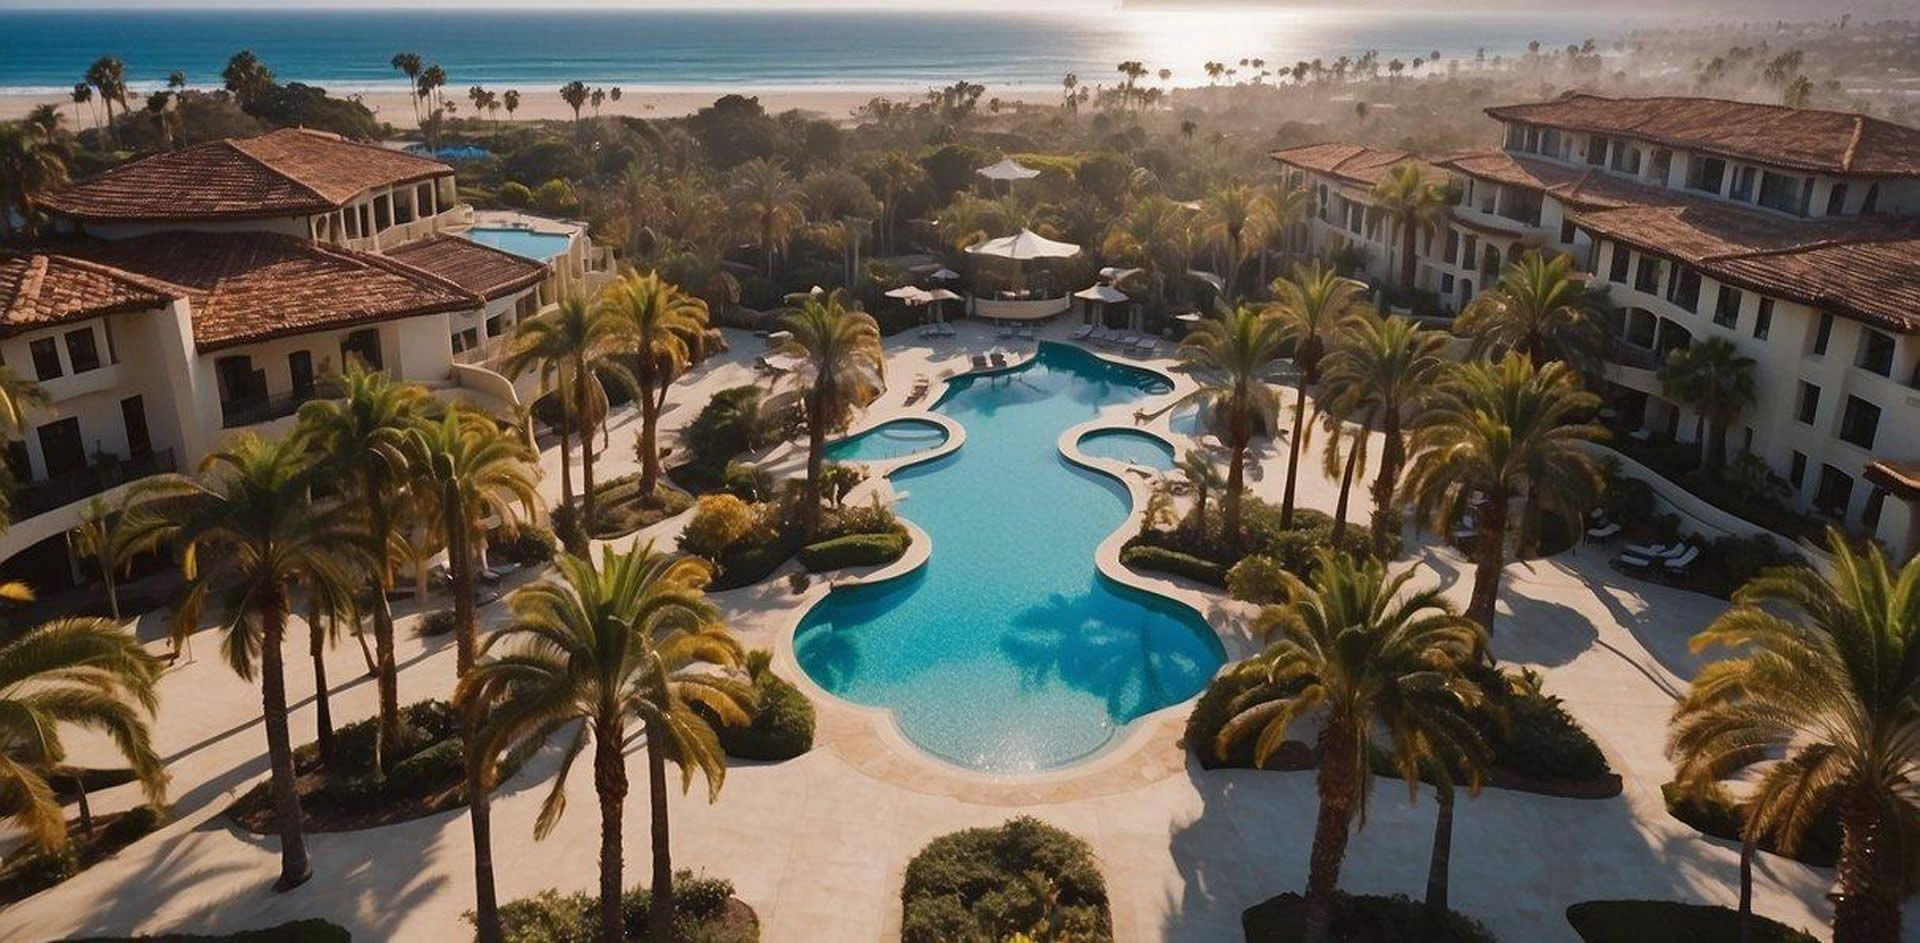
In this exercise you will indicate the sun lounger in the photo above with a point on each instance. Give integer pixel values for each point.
(1681, 563)
(1027, 334)
(1144, 346)
(999, 359)
(979, 361)
(1646, 550)
(1101, 336)
(1645, 560)
(1081, 332)
(1602, 531)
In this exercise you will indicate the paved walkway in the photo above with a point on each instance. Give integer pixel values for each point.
(818, 845)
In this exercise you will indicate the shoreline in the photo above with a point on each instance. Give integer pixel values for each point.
(396, 107)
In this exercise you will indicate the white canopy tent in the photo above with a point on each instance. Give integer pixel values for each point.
(1024, 246)
(1102, 295)
(1007, 170)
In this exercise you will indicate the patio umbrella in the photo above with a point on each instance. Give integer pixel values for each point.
(1023, 246)
(908, 294)
(945, 275)
(1008, 170)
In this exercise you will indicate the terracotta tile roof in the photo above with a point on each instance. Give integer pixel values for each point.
(1868, 269)
(1795, 138)
(1579, 186)
(286, 172)
(249, 287)
(38, 289)
(1900, 478)
(1355, 163)
(481, 269)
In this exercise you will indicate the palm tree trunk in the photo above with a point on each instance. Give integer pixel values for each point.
(816, 457)
(649, 428)
(1441, 861)
(460, 554)
(1406, 257)
(1293, 451)
(1383, 484)
(80, 796)
(586, 449)
(1346, 482)
(322, 698)
(660, 912)
(1489, 558)
(294, 867)
(610, 782)
(113, 593)
(387, 743)
(566, 463)
(1746, 887)
(1329, 834)
(1716, 447)
(1866, 908)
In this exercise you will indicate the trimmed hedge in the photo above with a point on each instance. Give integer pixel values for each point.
(744, 564)
(1163, 560)
(982, 883)
(853, 550)
(704, 909)
(1716, 814)
(1362, 918)
(782, 726)
(620, 508)
(1668, 921)
(311, 930)
(438, 622)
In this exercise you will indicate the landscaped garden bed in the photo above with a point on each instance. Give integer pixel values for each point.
(705, 911)
(1362, 918)
(1717, 815)
(312, 930)
(620, 508)
(31, 873)
(1196, 547)
(1668, 921)
(995, 883)
(429, 776)
(746, 541)
(782, 726)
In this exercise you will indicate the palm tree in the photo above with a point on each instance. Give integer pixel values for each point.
(1287, 207)
(769, 205)
(575, 94)
(897, 173)
(1308, 306)
(98, 537)
(1820, 698)
(843, 368)
(44, 121)
(475, 471)
(82, 95)
(1230, 356)
(1713, 377)
(362, 437)
(108, 75)
(1413, 203)
(1495, 432)
(575, 348)
(245, 526)
(1202, 477)
(88, 673)
(660, 318)
(31, 167)
(608, 647)
(17, 395)
(511, 99)
(1237, 216)
(1155, 234)
(1539, 308)
(246, 76)
(432, 80)
(1354, 652)
(1383, 367)
(409, 64)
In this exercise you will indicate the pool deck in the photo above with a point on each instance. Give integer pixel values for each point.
(818, 845)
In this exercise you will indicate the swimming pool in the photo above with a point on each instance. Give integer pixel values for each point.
(1128, 446)
(888, 440)
(538, 246)
(1008, 651)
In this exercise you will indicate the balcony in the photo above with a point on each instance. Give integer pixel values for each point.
(254, 410)
(43, 496)
(103, 377)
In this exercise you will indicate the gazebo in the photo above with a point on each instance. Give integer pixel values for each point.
(1007, 171)
(1102, 295)
(1021, 248)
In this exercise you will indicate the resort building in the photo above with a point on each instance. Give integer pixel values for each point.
(1793, 233)
(195, 294)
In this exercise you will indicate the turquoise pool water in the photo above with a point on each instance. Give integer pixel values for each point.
(888, 440)
(1007, 651)
(538, 246)
(1126, 445)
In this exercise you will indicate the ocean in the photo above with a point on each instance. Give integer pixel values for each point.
(44, 52)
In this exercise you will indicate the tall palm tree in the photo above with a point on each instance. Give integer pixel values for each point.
(247, 77)
(1383, 367)
(1494, 432)
(609, 647)
(1156, 234)
(362, 436)
(769, 205)
(1713, 377)
(245, 527)
(1353, 651)
(31, 167)
(1820, 700)
(1307, 306)
(1413, 203)
(17, 395)
(98, 537)
(87, 673)
(82, 94)
(574, 348)
(108, 75)
(476, 471)
(1541, 308)
(1237, 217)
(897, 173)
(1287, 207)
(409, 65)
(660, 318)
(843, 367)
(44, 121)
(1231, 356)
(575, 94)
(1203, 479)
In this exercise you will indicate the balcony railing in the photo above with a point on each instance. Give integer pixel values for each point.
(257, 409)
(43, 496)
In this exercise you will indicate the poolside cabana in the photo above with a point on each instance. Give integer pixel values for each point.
(1006, 172)
(1102, 296)
(1021, 249)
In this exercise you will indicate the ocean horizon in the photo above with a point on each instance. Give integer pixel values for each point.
(44, 52)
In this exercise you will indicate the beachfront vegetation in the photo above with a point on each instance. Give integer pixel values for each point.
(1024, 880)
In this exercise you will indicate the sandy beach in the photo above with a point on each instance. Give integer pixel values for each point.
(394, 107)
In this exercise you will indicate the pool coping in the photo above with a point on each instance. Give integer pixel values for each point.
(877, 745)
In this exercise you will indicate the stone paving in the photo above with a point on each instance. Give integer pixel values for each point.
(818, 845)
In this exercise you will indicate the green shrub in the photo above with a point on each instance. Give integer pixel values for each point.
(719, 521)
(782, 726)
(1744, 557)
(356, 792)
(728, 425)
(1537, 737)
(1257, 578)
(1144, 557)
(747, 481)
(530, 545)
(985, 883)
(516, 195)
(311, 930)
(438, 622)
(1211, 712)
(428, 771)
(700, 906)
(133, 824)
(853, 550)
(556, 196)
(874, 518)
(1667, 921)
(1362, 918)
(1715, 813)
(620, 508)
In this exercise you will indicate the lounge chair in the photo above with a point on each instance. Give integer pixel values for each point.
(1643, 561)
(1004, 333)
(1602, 532)
(999, 359)
(979, 361)
(1683, 562)
(1144, 346)
(1080, 333)
(1648, 550)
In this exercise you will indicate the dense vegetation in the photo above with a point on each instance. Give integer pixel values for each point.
(1024, 877)
(1665, 921)
(1362, 918)
(704, 911)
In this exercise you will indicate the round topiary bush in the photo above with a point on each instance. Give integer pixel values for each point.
(984, 883)
(782, 726)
